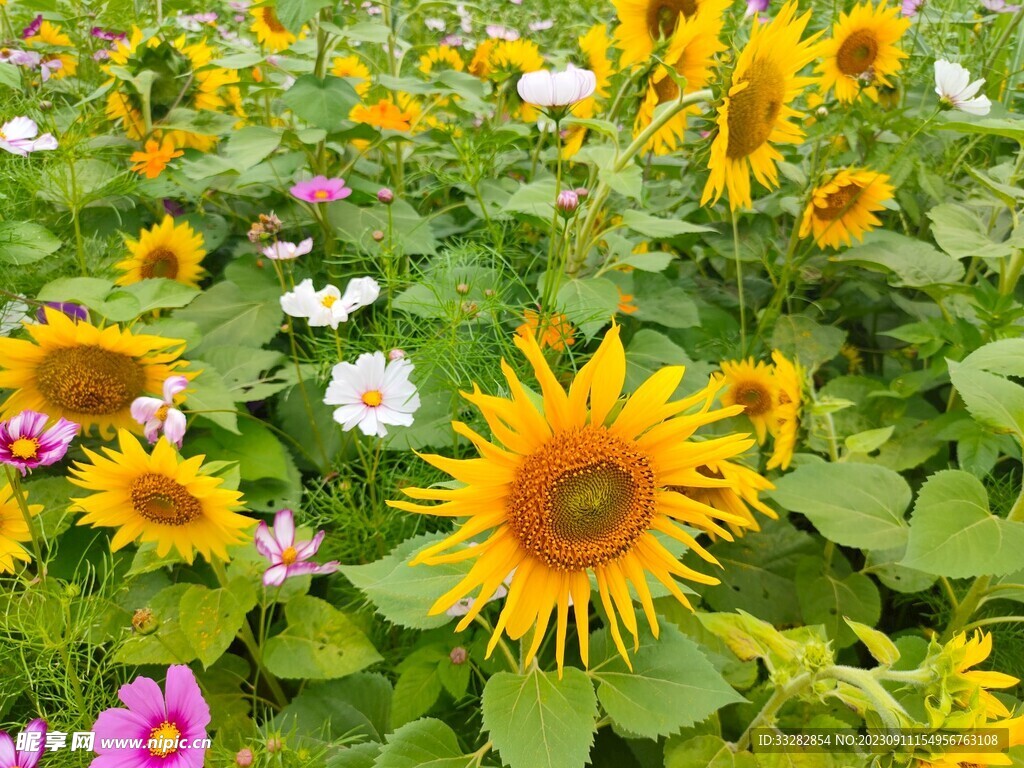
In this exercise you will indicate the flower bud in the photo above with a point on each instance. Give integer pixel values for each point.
(458, 655)
(274, 744)
(396, 354)
(378, 235)
(385, 196)
(568, 201)
(581, 192)
(144, 622)
(462, 289)
(244, 758)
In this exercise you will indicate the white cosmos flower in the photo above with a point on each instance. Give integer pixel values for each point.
(158, 415)
(285, 251)
(19, 137)
(956, 91)
(371, 393)
(556, 89)
(328, 306)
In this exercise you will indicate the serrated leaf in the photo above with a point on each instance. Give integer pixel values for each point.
(426, 743)
(322, 102)
(826, 597)
(210, 618)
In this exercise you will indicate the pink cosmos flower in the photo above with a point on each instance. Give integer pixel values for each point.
(756, 6)
(161, 722)
(28, 757)
(287, 557)
(321, 189)
(19, 137)
(156, 415)
(25, 442)
(285, 251)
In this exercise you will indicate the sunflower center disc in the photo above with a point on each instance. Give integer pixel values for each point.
(89, 379)
(753, 111)
(754, 398)
(857, 53)
(273, 23)
(583, 499)
(161, 500)
(160, 263)
(666, 89)
(837, 203)
(663, 15)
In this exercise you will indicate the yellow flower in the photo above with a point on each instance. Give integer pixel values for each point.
(152, 161)
(441, 58)
(511, 58)
(786, 419)
(738, 499)
(83, 373)
(756, 113)
(568, 490)
(752, 386)
(862, 52)
(843, 207)
(558, 332)
(385, 115)
(13, 529)
(691, 52)
(159, 498)
(164, 250)
(352, 68)
(969, 652)
(643, 24)
(269, 29)
(52, 35)
(480, 64)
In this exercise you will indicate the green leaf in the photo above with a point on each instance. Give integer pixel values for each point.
(1009, 127)
(90, 291)
(991, 400)
(295, 13)
(869, 440)
(659, 300)
(155, 293)
(962, 234)
(538, 721)
(245, 372)
(22, 242)
(706, 751)
(358, 705)
(657, 228)
(426, 743)
(953, 532)
(210, 619)
(324, 103)
(319, 643)
(657, 261)
(209, 398)
(913, 263)
(419, 684)
(536, 199)
(672, 684)
(799, 337)
(228, 314)
(248, 146)
(628, 182)
(10, 76)
(590, 304)
(856, 505)
(649, 351)
(826, 597)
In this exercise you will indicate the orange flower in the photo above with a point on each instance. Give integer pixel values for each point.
(155, 158)
(626, 305)
(384, 114)
(558, 332)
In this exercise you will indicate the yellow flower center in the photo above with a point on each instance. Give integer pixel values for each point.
(161, 500)
(161, 413)
(857, 53)
(837, 203)
(160, 262)
(754, 397)
(25, 448)
(666, 89)
(320, 194)
(583, 499)
(328, 300)
(663, 15)
(373, 398)
(164, 736)
(753, 111)
(89, 379)
(289, 556)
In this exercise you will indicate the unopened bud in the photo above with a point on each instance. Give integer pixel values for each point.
(462, 289)
(396, 354)
(144, 622)
(581, 192)
(274, 744)
(244, 758)
(568, 201)
(385, 196)
(378, 235)
(458, 655)
(822, 111)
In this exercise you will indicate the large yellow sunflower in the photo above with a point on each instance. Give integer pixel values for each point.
(691, 52)
(164, 250)
(159, 498)
(269, 30)
(643, 24)
(844, 207)
(83, 373)
(572, 489)
(862, 52)
(756, 113)
(13, 529)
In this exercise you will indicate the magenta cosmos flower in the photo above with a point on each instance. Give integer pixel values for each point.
(321, 189)
(288, 557)
(26, 443)
(156, 415)
(23, 758)
(169, 728)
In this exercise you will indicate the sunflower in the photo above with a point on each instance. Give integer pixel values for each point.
(480, 64)
(594, 45)
(83, 373)
(738, 499)
(754, 387)
(572, 490)
(691, 52)
(786, 423)
(51, 35)
(643, 24)
(862, 52)
(964, 683)
(352, 68)
(755, 113)
(512, 58)
(159, 498)
(13, 529)
(269, 30)
(441, 58)
(844, 207)
(164, 250)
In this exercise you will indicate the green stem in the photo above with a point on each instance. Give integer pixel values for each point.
(19, 494)
(963, 613)
(993, 620)
(771, 707)
(739, 282)
(549, 273)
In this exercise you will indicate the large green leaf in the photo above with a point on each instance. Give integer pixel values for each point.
(210, 618)
(856, 505)
(426, 743)
(22, 242)
(962, 234)
(590, 303)
(537, 720)
(227, 313)
(324, 103)
(953, 532)
(672, 684)
(419, 684)
(827, 595)
(654, 227)
(799, 337)
(911, 262)
(360, 704)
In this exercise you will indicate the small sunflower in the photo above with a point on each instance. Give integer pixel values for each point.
(756, 113)
(164, 250)
(269, 30)
(13, 530)
(754, 387)
(644, 24)
(353, 69)
(573, 490)
(786, 423)
(862, 53)
(159, 498)
(843, 208)
(441, 58)
(512, 58)
(738, 499)
(691, 52)
(89, 375)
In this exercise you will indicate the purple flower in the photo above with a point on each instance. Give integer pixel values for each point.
(282, 250)
(33, 29)
(321, 189)
(756, 6)
(20, 136)
(568, 201)
(74, 311)
(288, 557)
(162, 723)
(158, 415)
(385, 196)
(24, 758)
(25, 442)
(107, 34)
